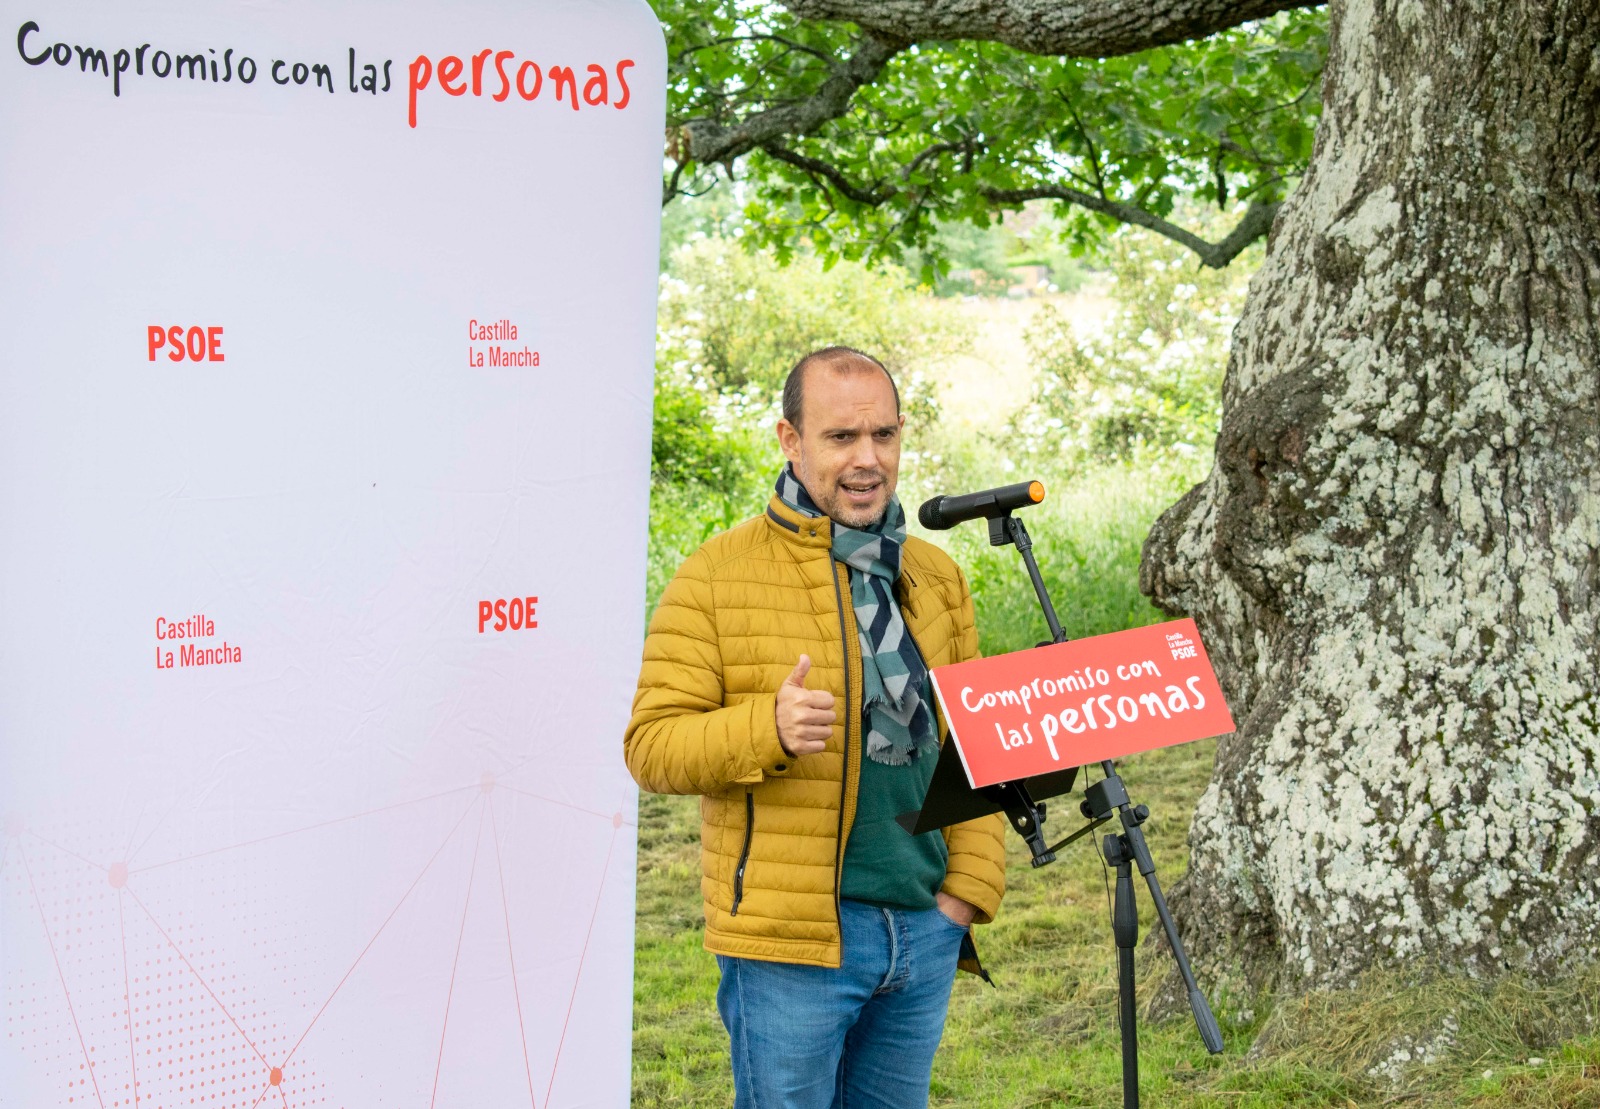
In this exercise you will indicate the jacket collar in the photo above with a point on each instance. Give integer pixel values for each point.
(796, 527)
(817, 531)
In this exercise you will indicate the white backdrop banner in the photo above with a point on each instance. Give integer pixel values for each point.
(324, 452)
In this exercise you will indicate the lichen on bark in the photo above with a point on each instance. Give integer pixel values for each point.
(1395, 560)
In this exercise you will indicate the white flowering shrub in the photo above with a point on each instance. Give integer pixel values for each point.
(1151, 378)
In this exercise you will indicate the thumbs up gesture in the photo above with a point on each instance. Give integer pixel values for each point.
(805, 716)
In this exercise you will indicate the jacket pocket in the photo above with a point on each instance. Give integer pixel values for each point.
(744, 852)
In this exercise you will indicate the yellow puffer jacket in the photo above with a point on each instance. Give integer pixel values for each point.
(728, 630)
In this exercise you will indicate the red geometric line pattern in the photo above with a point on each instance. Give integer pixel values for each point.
(198, 978)
(127, 997)
(65, 851)
(119, 874)
(444, 1026)
(553, 801)
(274, 1076)
(616, 825)
(511, 955)
(295, 831)
(76, 1027)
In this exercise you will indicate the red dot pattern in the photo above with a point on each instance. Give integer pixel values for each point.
(144, 1008)
(164, 1019)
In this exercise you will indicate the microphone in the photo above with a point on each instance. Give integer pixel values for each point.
(939, 513)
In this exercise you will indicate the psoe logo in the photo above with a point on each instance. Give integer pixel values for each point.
(502, 614)
(195, 343)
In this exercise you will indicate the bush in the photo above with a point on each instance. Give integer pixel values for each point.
(737, 320)
(1121, 423)
(694, 443)
(966, 260)
(1152, 379)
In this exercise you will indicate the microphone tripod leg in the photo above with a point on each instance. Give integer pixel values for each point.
(1125, 930)
(1138, 850)
(1205, 1022)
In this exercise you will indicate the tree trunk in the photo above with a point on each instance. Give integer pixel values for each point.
(1395, 561)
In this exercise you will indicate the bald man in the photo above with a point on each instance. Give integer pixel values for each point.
(785, 680)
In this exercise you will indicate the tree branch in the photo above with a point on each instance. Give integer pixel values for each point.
(965, 145)
(1257, 220)
(1088, 139)
(880, 193)
(1082, 28)
(832, 174)
(709, 141)
(1255, 223)
(730, 39)
(1067, 28)
(669, 188)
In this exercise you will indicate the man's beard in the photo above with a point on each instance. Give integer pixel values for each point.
(859, 516)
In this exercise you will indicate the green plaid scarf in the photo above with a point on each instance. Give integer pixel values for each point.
(899, 720)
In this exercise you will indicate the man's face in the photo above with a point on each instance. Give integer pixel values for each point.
(848, 453)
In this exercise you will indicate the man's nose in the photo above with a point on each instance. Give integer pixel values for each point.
(865, 454)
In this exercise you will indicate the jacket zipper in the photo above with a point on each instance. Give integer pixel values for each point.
(844, 781)
(744, 853)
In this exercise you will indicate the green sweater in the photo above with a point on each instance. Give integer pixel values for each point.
(883, 863)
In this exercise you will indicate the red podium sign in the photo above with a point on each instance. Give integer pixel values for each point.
(1068, 704)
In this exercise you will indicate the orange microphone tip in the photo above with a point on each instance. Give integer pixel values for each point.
(1036, 491)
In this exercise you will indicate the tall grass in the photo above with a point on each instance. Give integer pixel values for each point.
(1087, 537)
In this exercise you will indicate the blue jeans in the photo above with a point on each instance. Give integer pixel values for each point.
(859, 1037)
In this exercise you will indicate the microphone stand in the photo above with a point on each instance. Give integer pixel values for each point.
(1122, 851)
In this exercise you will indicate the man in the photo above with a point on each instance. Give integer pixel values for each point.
(785, 681)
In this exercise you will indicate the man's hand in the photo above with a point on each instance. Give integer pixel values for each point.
(805, 716)
(956, 909)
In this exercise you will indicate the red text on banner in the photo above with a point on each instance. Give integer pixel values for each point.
(1032, 712)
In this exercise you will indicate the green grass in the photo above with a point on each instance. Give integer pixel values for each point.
(680, 1052)
(1047, 1035)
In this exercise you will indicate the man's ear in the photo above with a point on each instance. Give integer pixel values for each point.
(789, 440)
